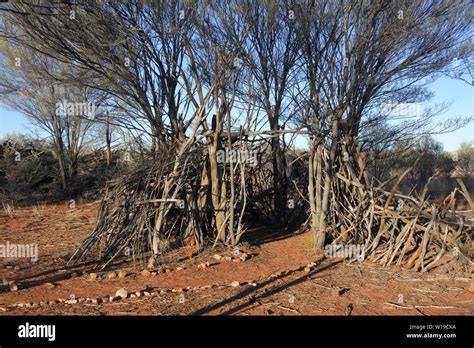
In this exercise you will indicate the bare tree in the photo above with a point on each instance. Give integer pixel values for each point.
(215, 65)
(357, 58)
(132, 50)
(270, 52)
(64, 112)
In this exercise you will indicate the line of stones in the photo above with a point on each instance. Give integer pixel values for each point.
(123, 293)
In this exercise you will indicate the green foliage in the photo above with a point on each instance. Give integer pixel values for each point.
(465, 158)
(434, 163)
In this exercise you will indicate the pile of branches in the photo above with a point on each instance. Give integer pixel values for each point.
(260, 187)
(148, 209)
(395, 229)
(167, 201)
(27, 167)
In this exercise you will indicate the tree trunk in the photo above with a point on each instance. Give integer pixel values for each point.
(60, 158)
(108, 139)
(279, 175)
(328, 180)
(216, 187)
(311, 188)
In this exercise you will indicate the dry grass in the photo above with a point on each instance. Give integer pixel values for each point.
(8, 208)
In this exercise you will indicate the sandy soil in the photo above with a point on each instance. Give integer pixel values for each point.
(274, 280)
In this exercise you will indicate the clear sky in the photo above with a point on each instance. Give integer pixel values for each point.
(462, 97)
(457, 92)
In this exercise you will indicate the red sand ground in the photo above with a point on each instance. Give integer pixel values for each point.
(281, 285)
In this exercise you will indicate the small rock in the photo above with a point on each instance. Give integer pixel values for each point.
(145, 273)
(71, 301)
(146, 293)
(179, 268)
(122, 293)
(235, 284)
(50, 285)
(138, 294)
(236, 260)
(93, 275)
(122, 274)
(168, 270)
(114, 298)
(111, 275)
(13, 287)
(17, 268)
(217, 257)
(307, 269)
(227, 258)
(244, 257)
(339, 291)
(154, 273)
(349, 309)
(133, 295)
(162, 292)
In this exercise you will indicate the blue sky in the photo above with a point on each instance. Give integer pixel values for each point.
(457, 92)
(462, 97)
